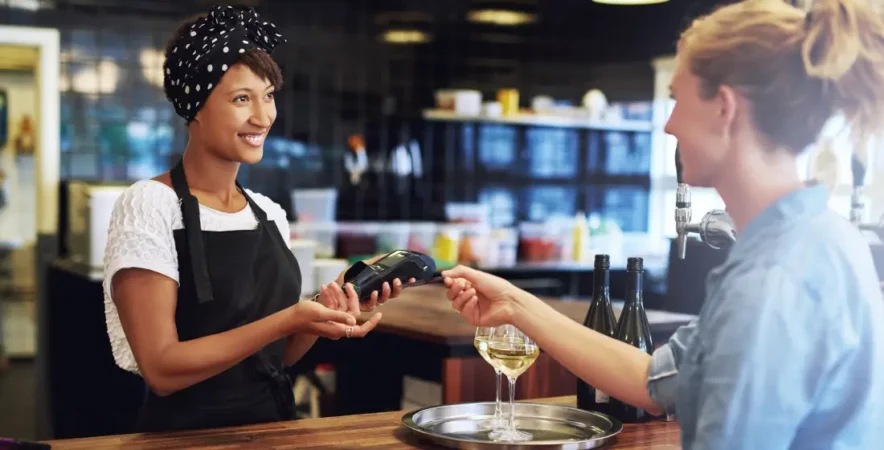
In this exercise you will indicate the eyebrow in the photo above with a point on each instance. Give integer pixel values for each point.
(244, 89)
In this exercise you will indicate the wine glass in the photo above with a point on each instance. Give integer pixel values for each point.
(513, 353)
(481, 341)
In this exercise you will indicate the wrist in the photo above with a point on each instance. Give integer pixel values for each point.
(522, 306)
(293, 323)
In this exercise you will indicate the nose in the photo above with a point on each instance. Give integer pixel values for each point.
(263, 114)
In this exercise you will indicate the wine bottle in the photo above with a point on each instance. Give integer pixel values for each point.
(600, 318)
(633, 329)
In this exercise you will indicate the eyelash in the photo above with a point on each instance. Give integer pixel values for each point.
(270, 95)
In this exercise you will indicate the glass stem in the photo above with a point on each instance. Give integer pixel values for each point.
(497, 412)
(512, 425)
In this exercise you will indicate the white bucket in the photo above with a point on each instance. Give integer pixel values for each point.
(305, 253)
(327, 270)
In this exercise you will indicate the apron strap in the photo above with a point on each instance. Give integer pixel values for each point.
(270, 227)
(190, 213)
(280, 382)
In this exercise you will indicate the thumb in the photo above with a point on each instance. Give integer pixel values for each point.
(333, 315)
(461, 271)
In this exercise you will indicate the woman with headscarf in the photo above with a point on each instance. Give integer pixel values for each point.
(788, 350)
(201, 289)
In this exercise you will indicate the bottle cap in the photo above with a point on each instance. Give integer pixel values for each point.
(634, 264)
(602, 262)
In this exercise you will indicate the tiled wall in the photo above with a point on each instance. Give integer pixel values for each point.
(340, 79)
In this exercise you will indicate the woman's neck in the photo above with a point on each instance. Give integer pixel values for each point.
(755, 183)
(210, 175)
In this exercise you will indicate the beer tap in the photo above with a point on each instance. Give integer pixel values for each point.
(716, 229)
(857, 207)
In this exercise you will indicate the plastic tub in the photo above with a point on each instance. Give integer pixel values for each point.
(446, 247)
(422, 236)
(323, 233)
(538, 243)
(315, 205)
(305, 253)
(327, 270)
(357, 239)
(392, 236)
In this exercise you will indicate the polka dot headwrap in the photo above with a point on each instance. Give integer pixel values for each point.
(207, 48)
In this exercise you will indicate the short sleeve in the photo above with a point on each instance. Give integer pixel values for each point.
(663, 374)
(139, 236)
(140, 232)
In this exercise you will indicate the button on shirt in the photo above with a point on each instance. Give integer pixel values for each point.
(788, 349)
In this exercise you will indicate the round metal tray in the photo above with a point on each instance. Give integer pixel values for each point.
(459, 426)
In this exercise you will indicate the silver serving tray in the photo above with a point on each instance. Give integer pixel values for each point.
(459, 426)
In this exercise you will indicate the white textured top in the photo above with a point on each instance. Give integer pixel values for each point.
(140, 236)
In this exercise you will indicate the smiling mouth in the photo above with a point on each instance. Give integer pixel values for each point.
(253, 139)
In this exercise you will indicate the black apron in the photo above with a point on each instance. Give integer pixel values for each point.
(226, 280)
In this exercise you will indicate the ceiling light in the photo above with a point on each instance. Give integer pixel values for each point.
(630, 2)
(405, 37)
(404, 27)
(501, 17)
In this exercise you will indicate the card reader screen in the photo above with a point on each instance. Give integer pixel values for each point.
(392, 259)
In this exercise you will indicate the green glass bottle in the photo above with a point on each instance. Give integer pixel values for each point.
(633, 328)
(600, 318)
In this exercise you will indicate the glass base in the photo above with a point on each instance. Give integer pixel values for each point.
(494, 424)
(510, 435)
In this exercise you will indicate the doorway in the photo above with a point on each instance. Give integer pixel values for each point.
(29, 174)
(18, 215)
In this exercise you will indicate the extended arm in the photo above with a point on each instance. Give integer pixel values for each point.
(607, 364)
(146, 303)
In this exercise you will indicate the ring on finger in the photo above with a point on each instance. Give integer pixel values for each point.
(348, 331)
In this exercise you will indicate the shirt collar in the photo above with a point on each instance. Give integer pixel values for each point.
(807, 201)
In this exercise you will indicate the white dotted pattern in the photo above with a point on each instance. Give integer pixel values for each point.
(140, 236)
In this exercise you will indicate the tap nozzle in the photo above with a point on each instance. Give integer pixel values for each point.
(682, 217)
(857, 206)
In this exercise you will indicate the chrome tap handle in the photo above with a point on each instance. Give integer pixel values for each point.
(682, 207)
(718, 229)
(682, 217)
(858, 171)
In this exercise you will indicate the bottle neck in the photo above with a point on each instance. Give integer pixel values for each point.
(601, 284)
(634, 287)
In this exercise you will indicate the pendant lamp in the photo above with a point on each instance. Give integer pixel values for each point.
(629, 2)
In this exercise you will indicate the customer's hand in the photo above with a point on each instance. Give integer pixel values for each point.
(483, 299)
(314, 318)
(351, 302)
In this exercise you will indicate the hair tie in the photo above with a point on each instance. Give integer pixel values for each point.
(209, 47)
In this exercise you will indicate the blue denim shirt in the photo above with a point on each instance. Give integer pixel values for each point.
(788, 349)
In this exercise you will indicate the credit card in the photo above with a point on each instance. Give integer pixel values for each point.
(423, 282)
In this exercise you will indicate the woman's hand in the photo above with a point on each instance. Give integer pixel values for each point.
(336, 298)
(483, 299)
(314, 318)
(332, 296)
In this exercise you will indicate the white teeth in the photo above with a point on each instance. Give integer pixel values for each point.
(254, 139)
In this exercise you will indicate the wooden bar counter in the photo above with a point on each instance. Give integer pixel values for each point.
(375, 431)
(421, 336)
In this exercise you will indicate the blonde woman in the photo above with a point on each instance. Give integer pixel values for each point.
(788, 351)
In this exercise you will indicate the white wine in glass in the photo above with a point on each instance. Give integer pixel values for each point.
(481, 342)
(514, 353)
